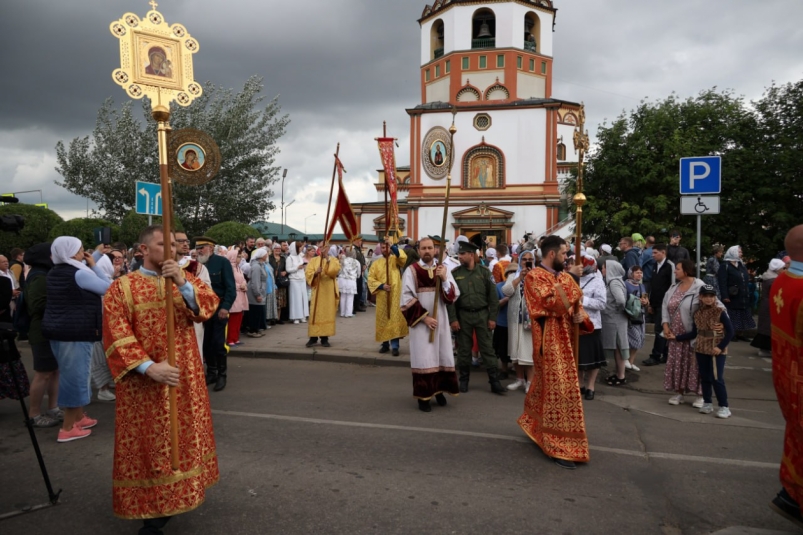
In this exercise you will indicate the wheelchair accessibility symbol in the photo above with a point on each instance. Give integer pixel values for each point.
(699, 204)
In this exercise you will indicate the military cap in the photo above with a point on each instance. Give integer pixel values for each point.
(467, 247)
(200, 241)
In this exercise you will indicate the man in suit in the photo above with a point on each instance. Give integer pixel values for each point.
(662, 279)
(358, 298)
(215, 350)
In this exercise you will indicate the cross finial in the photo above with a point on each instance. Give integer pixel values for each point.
(153, 5)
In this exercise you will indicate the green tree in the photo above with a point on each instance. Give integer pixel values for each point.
(229, 233)
(632, 181)
(38, 224)
(123, 150)
(134, 223)
(83, 228)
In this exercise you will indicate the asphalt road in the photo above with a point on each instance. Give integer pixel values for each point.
(320, 447)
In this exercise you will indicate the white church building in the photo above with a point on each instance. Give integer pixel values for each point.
(492, 62)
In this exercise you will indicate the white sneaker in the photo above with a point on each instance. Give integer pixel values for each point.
(296, 322)
(106, 395)
(515, 385)
(635, 368)
(707, 408)
(676, 400)
(304, 320)
(628, 366)
(527, 387)
(764, 353)
(723, 412)
(698, 403)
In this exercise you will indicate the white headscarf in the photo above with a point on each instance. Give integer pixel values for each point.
(606, 248)
(106, 266)
(490, 252)
(732, 255)
(64, 248)
(457, 242)
(293, 250)
(333, 251)
(776, 265)
(259, 253)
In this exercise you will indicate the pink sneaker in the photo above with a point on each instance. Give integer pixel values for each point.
(73, 434)
(86, 422)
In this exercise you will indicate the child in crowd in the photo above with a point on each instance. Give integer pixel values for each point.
(713, 331)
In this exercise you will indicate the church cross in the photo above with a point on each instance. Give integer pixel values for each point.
(778, 299)
(153, 5)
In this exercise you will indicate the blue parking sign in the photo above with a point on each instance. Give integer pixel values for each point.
(700, 175)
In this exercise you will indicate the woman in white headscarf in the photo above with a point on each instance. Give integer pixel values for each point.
(347, 282)
(297, 293)
(519, 331)
(73, 323)
(240, 304)
(763, 340)
(591, 353)
(257, 293)
(734, 286)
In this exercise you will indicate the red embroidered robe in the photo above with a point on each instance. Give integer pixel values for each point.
(553, 411)
(786, 314)
(134, 331)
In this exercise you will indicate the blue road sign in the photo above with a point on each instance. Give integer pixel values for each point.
(700, 175)
(149, 198)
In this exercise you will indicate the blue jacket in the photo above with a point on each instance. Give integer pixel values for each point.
(647, 264)
(222, 277)
(632, 258)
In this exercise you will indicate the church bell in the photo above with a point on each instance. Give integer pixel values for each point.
(485, 31)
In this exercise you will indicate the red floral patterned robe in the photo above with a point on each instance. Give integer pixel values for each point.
(786, 314)
(134, 331)
(553, 411)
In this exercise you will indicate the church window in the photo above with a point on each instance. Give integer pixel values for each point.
(519, 62)
(561, 151)
(482, 121)
(483, 62)
(500, 60)
(437, 71)
(532, 65)
(543, 67)
(465, 64)
(448, 68)
(426, 75)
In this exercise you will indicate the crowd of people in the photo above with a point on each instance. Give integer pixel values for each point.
(514, 310)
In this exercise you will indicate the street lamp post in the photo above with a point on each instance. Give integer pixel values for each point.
(284, 174)
(285, 215)
(305, 222)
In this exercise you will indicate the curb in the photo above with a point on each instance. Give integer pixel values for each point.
(362, 359)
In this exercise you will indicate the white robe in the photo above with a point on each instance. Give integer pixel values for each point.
(426, 356)
(297, 295)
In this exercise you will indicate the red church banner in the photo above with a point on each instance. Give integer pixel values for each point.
(386, 152)
(343, 211)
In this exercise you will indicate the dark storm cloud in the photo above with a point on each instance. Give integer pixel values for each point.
(342, 67)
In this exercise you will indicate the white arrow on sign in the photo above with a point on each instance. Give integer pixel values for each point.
(147, 195)
(157, 201)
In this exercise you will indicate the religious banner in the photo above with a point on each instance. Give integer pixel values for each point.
(387, 153)
(343, 211)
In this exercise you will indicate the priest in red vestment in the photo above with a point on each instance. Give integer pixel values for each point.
(135, 336)
(786, 314)
(553, 411)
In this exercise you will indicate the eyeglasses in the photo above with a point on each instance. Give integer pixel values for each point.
(117, 257)
(182, 241)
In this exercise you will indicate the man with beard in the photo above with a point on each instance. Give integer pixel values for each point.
(553, 411)
(222, 281)
(250, 245)
(474, 314)
(432, 363)
(384, 282)
(198, 270)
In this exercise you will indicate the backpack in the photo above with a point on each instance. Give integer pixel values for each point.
(633, 308)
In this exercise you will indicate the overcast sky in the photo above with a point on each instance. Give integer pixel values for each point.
(341, 67)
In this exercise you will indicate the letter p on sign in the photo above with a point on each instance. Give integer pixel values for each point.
(700, 175)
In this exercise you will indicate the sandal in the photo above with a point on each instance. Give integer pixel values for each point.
(615, 381)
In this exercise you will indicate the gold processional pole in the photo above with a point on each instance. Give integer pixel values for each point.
(156, 61)
(442, 248)
(326, 233)
(580, 146)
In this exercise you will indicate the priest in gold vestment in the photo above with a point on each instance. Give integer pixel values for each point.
(321, 276)
(553, 411)
(391, 325)
(134, 334)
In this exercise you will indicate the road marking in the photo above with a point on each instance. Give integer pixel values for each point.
(632, 453)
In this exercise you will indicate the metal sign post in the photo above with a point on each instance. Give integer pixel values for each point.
(700, 175)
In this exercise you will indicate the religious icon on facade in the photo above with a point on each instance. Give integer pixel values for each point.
(191, 157)
(482, 173)
(437, 153)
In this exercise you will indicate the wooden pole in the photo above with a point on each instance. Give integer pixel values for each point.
(326, 231)
(387, 225)
(162, 116)
(442, 248)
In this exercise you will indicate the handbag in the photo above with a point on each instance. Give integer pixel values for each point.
(282, 281)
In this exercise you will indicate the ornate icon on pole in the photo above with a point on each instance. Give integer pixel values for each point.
(436, 153)
(156, 59)
(193, 156)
